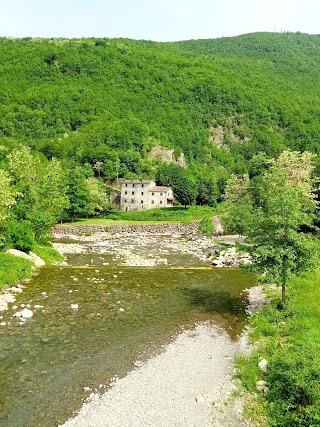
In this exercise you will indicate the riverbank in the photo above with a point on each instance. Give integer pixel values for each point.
(284, 390)
(189, 384)
(16, 266)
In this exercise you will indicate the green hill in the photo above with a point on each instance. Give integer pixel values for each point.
(217, 101)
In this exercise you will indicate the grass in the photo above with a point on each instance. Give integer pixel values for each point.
(176, 214)
(48, 254)
(13, 269)
(289, 339)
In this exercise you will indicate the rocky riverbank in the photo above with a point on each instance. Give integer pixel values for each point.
(189, 384)
(127, 245)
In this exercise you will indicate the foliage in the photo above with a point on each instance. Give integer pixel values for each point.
(13, 269)
(239, 205)
(289, 340)
(7, 195)
(48, 254)
(21, 235)
(108, 102)
(174, 214)
(206, 226)
(277, 204)
(183, 186)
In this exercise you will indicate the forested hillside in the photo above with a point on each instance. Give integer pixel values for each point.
(111, 100)
(93, 110)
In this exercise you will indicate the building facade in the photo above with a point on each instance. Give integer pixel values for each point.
(144, 194)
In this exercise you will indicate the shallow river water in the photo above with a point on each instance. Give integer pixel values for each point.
(125, 314)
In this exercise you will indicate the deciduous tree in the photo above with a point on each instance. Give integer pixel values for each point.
(283, 201)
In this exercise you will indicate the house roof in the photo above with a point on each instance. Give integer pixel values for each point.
(158, 188)
(136, 181)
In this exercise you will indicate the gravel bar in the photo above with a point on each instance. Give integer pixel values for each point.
(175, 388)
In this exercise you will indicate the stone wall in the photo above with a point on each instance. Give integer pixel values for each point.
(191, 228)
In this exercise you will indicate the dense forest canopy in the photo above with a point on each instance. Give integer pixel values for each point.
(114, 99)
(97, 109)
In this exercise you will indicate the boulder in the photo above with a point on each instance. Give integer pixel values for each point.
(38, 262)
(26, 313)
(263, 365)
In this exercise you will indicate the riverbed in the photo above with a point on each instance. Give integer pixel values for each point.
(126, 312)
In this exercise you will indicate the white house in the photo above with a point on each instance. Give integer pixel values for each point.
(140, 194)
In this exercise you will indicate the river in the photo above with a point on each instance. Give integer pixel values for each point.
(124, 315)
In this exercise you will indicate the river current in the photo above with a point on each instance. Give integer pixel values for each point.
(96, 320)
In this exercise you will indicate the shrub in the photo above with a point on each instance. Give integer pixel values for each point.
(206, 226)
(21, 235)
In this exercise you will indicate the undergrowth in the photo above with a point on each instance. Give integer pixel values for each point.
(289, 339)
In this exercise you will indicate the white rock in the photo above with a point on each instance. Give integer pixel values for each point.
(26, 313)
(121, 309)
(3, 323)
(17, 314)
(38, 306)
(261, 386)
(263, 365)
(8, 298)
(200, 399)
(3, 306)
(74, 306)
(17, 290)
(39, 262)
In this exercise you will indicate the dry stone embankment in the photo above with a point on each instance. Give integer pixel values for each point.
(190, 228)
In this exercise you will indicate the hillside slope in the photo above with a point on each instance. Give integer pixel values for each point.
(112, 100)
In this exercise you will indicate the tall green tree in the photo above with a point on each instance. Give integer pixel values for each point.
(283, 201)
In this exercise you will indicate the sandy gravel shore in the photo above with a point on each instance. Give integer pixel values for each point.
(175, 388)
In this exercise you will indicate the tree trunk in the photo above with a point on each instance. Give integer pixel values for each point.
(283, 291)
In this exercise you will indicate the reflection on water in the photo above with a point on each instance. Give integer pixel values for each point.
(124, 314)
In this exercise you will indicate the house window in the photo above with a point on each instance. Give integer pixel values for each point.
(141, 201)
(126, 185)
(152, 202)
(132, 200)
(133, 193)
(160, 194)
(125, 192)
(142, 185)
(142, 193)
(152, 194)
(132, 185)
(160, 202)
(125, 200)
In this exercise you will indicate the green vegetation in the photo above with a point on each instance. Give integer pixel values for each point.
(289, 340)
(96, 108)
(48, 254)
(206, 226)
(13, 269)
(271, 210)
(164, 215)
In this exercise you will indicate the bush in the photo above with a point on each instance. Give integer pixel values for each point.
(21, 235)
(206, 226)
